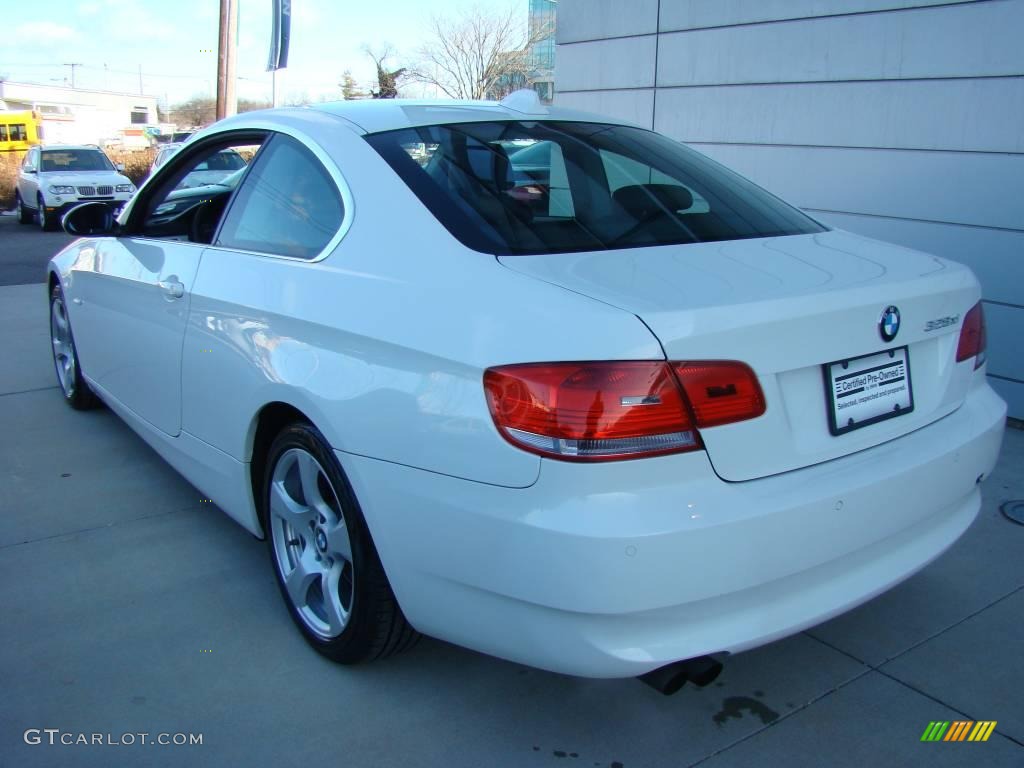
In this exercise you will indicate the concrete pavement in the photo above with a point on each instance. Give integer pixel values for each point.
(127, 605)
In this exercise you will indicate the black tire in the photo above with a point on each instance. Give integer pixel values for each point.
(47, 222)
(73, 386)
(25, 216)
(375, 626)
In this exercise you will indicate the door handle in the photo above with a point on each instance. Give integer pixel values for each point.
(172, 289)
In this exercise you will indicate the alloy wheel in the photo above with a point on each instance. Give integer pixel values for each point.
(311, 544)
(63, 347)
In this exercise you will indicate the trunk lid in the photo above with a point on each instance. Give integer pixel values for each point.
(787, 306)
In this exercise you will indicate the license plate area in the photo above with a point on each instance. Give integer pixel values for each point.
(868, 389)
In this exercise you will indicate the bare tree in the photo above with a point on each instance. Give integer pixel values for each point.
(479, 53)
(387, 79)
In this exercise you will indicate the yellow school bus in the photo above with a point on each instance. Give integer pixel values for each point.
(20, 130)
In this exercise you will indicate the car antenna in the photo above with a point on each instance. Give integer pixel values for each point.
(524, 100)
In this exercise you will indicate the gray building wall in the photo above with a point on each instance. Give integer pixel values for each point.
(898, 119)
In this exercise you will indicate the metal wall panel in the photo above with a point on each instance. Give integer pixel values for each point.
(697, 14)
(988, 114)
(596, 19)
(975, 40)
(957, 187)
(606, 64)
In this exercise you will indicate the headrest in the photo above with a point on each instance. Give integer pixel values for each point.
(489, 164)
(645, 200)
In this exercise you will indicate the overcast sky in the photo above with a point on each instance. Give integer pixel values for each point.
(175, 43)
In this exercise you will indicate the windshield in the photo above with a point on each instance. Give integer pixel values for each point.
(550, 187)
(74, 160)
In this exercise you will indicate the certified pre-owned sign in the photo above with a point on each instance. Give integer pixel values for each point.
(54, 736)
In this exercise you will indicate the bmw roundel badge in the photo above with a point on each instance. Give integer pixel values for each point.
(889, 324)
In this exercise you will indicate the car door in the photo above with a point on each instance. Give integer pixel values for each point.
(133, 295)
(28, 179)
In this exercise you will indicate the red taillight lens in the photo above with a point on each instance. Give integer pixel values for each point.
(591, 411)
(618, 410)
(721, 392)
(972, 337)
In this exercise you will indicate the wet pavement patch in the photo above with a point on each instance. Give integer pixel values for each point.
(735, 706)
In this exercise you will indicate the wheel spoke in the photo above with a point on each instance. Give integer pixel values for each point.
(301, 579)
(338, 543)
(282, 505)
(309, 477)
(336, 614)
(60, 318)
(309, 474)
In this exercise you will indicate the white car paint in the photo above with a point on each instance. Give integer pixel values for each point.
(606, 569)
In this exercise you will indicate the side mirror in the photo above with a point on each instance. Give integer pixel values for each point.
(90, 219)
(120, 167)
(30, 170)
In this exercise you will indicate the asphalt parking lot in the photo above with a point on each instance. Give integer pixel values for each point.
(131, 606)
(25, 249)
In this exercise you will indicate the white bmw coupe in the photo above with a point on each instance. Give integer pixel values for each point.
(538, 383)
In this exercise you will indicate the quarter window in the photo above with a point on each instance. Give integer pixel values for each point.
(287, 205)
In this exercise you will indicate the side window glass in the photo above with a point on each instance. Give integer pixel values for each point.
(190, 204)
(3, 133)
(288, 205)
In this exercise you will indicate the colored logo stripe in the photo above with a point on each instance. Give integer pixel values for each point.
(958, 730)
(982, 730)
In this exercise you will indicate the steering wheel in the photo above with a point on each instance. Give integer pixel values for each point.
(205, 220)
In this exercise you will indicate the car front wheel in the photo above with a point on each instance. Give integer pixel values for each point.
(65, 355)
(47, 222)
(325, 562)
(24, 214)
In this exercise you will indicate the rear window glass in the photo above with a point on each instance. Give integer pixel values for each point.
(529, 187)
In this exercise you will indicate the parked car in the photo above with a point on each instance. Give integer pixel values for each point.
(54, 179)
(610, 436)
(164, 153)
(211, 171)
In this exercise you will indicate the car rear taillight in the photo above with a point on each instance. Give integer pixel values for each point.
(617, 410)
(972, 337)
(720, 392)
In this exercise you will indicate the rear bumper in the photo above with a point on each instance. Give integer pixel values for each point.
(611, 570)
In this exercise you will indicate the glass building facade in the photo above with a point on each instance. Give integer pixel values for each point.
(542, 53)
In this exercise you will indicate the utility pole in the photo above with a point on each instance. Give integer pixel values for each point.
(73, 66)
(140, 78)
(227, 104)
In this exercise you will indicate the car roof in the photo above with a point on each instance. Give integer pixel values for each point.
(64, 147)
(375, 115)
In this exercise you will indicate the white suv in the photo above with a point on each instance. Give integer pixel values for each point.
(52, 180)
